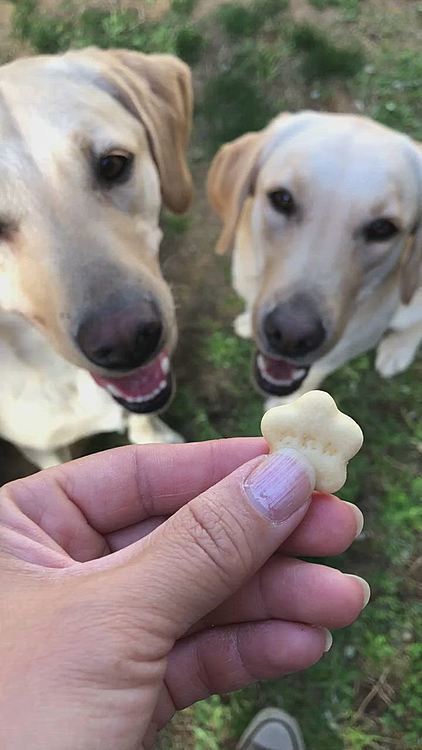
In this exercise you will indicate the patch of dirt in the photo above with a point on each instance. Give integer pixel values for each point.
(205, 7)
(150, 10)
(195, 272)
(6, 11)
(301, 11)
(9, 47)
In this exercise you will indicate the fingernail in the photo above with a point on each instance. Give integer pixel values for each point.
(328, 640)
(359, 518)
(280, 485)
(365, 588)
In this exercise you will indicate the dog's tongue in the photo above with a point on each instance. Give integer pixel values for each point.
(142, 384)
(279, 369)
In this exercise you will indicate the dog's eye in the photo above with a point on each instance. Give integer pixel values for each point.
(7, 228)
(283, 202)
(114, 167)
(380, 230)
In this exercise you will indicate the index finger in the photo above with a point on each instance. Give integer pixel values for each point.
(123, 486)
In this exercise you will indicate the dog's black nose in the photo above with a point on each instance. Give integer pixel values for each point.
(121, 338)
(293, 329)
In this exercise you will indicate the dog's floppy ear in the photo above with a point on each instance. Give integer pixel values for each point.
(230, 180)
(412, 258)
(157, 90)
(411, 266)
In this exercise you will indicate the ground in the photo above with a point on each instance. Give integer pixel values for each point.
(251, 60)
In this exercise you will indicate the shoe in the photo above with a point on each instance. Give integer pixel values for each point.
(272, 729)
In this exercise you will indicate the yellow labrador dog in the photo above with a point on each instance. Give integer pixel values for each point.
(324, 215)
(92, 143)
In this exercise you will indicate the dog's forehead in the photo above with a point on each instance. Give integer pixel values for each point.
(340, 153)
(44, 82)
(44, 103)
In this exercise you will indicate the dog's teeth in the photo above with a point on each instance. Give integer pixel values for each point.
(262, 366)
(165, 365)
(114, 391)
(137, 399)
(277, 382)
(261, 363)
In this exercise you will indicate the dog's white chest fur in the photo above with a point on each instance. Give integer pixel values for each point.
(47, 402)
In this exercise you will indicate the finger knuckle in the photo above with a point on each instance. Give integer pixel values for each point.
(220, 538)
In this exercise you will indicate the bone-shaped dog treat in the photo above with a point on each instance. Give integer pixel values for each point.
(324, 435)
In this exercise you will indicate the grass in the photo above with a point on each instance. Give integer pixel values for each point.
(232, 104)
(175, 224)
(70, 26)
(238, 21)
(322, 4)
(183, 7)
(252, 60)
(189, 45)
(322, 58)
(397, 91)
(350, 8)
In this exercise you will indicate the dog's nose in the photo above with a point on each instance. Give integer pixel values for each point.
(121, 339)
(293, 329)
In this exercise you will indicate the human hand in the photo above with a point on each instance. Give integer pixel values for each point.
(140, 580)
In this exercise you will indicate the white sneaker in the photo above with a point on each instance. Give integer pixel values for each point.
(272, 729)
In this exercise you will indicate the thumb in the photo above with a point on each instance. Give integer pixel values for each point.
(205, 552)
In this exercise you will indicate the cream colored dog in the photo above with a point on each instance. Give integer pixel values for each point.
(324, 214)
(92, 143)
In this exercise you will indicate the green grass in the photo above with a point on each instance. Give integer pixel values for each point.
(350, 8)
(231, 105)
(183, 7)
(175, 224)
(70, 26)
(250, 62)
(322, 4)
(238, 98)
(322, 58)
(189, 45)
(239, 21)
(397, 81)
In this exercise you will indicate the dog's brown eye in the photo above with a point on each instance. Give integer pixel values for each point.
(380, 230)
(7, 229)
(114, 167)
(283, 202)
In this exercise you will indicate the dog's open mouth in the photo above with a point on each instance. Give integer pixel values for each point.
(277, 376)
(146, 390)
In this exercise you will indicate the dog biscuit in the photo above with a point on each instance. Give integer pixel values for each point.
(324, 435)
